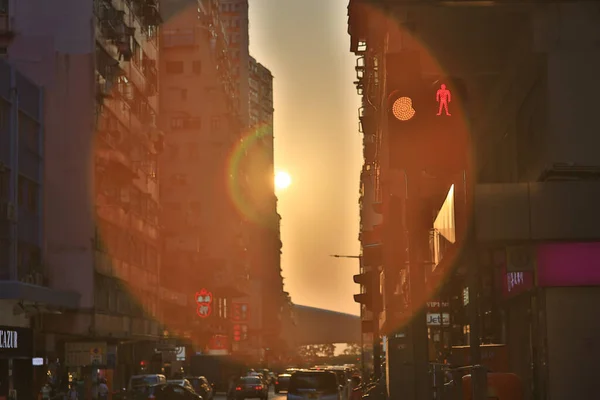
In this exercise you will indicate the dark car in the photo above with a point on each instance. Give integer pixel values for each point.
(318, 385)
(282, 382)
(163, 391)
(202, 387)
(251, 387)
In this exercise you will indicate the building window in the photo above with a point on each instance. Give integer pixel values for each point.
(215, 123)
(32, 196)
(137, 53)
(193, 150)
(174, 67)
(177, 123)
(185, 123)
(197, 67)
(4, 182)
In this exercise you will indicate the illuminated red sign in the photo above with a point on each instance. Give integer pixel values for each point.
(240, 312)
(443, 97)
(204, 300)
(240, 332)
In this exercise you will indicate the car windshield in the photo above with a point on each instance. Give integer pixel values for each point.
(313, 381)
(249, 380)
(341, 376)
(145, 392)
(283, 378)
(143, 381)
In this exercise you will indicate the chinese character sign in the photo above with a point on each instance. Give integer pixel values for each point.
(240, 312)
(204, 303)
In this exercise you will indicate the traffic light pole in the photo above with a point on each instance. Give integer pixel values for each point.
(478, 374)
(418, 294)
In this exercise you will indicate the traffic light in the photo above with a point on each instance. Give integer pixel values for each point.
(426, 122)
(371, 297)
(405, 91)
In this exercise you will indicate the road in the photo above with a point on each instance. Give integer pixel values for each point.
(272, 396)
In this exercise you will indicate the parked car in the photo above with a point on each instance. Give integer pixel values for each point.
(282, 382)
(202, 387)
(182, 382)
(137, 381)
(168, 391)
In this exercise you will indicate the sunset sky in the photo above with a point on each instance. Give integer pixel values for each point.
(306, 47)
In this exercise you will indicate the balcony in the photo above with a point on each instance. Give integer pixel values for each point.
(370, 149)
(149, 13)
(111, 161)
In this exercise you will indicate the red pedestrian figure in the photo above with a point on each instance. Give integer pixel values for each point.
(443, 96)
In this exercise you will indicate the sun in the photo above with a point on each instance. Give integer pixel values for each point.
(282, 180)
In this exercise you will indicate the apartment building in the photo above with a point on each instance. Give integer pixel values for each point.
(234, 14)
(24, 291)
(100, 237)
(200, 115)
(514, 239)
(208, 187)
(266, 248)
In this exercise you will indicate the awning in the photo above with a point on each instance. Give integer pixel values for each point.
(16, 290)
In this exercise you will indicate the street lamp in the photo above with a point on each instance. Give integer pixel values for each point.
(342, 256)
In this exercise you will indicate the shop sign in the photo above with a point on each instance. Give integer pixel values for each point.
(514, 283)
(83, 354)
(180, 353)
(438, 304)
(15, 342)
(438, 319)
(204, 300)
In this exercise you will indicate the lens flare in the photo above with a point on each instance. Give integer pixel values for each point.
(250, 172)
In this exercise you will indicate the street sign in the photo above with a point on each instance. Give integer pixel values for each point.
(95, 356)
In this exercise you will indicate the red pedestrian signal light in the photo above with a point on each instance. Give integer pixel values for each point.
(403, 108)
(443, 96)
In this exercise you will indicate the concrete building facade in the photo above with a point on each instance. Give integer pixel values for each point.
(530, 244)
(200, 115)
(97, 65)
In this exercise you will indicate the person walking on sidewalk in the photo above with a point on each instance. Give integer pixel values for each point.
(357, 390)
(72, 393)
(103, 390)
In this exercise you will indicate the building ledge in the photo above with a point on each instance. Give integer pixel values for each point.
(16, 290)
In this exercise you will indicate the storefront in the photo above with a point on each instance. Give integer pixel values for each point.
(16, 369)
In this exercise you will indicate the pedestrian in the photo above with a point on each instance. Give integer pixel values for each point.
(103, 390)
(231, 386)
(72, 393)
(357, 391)
(46, 391)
